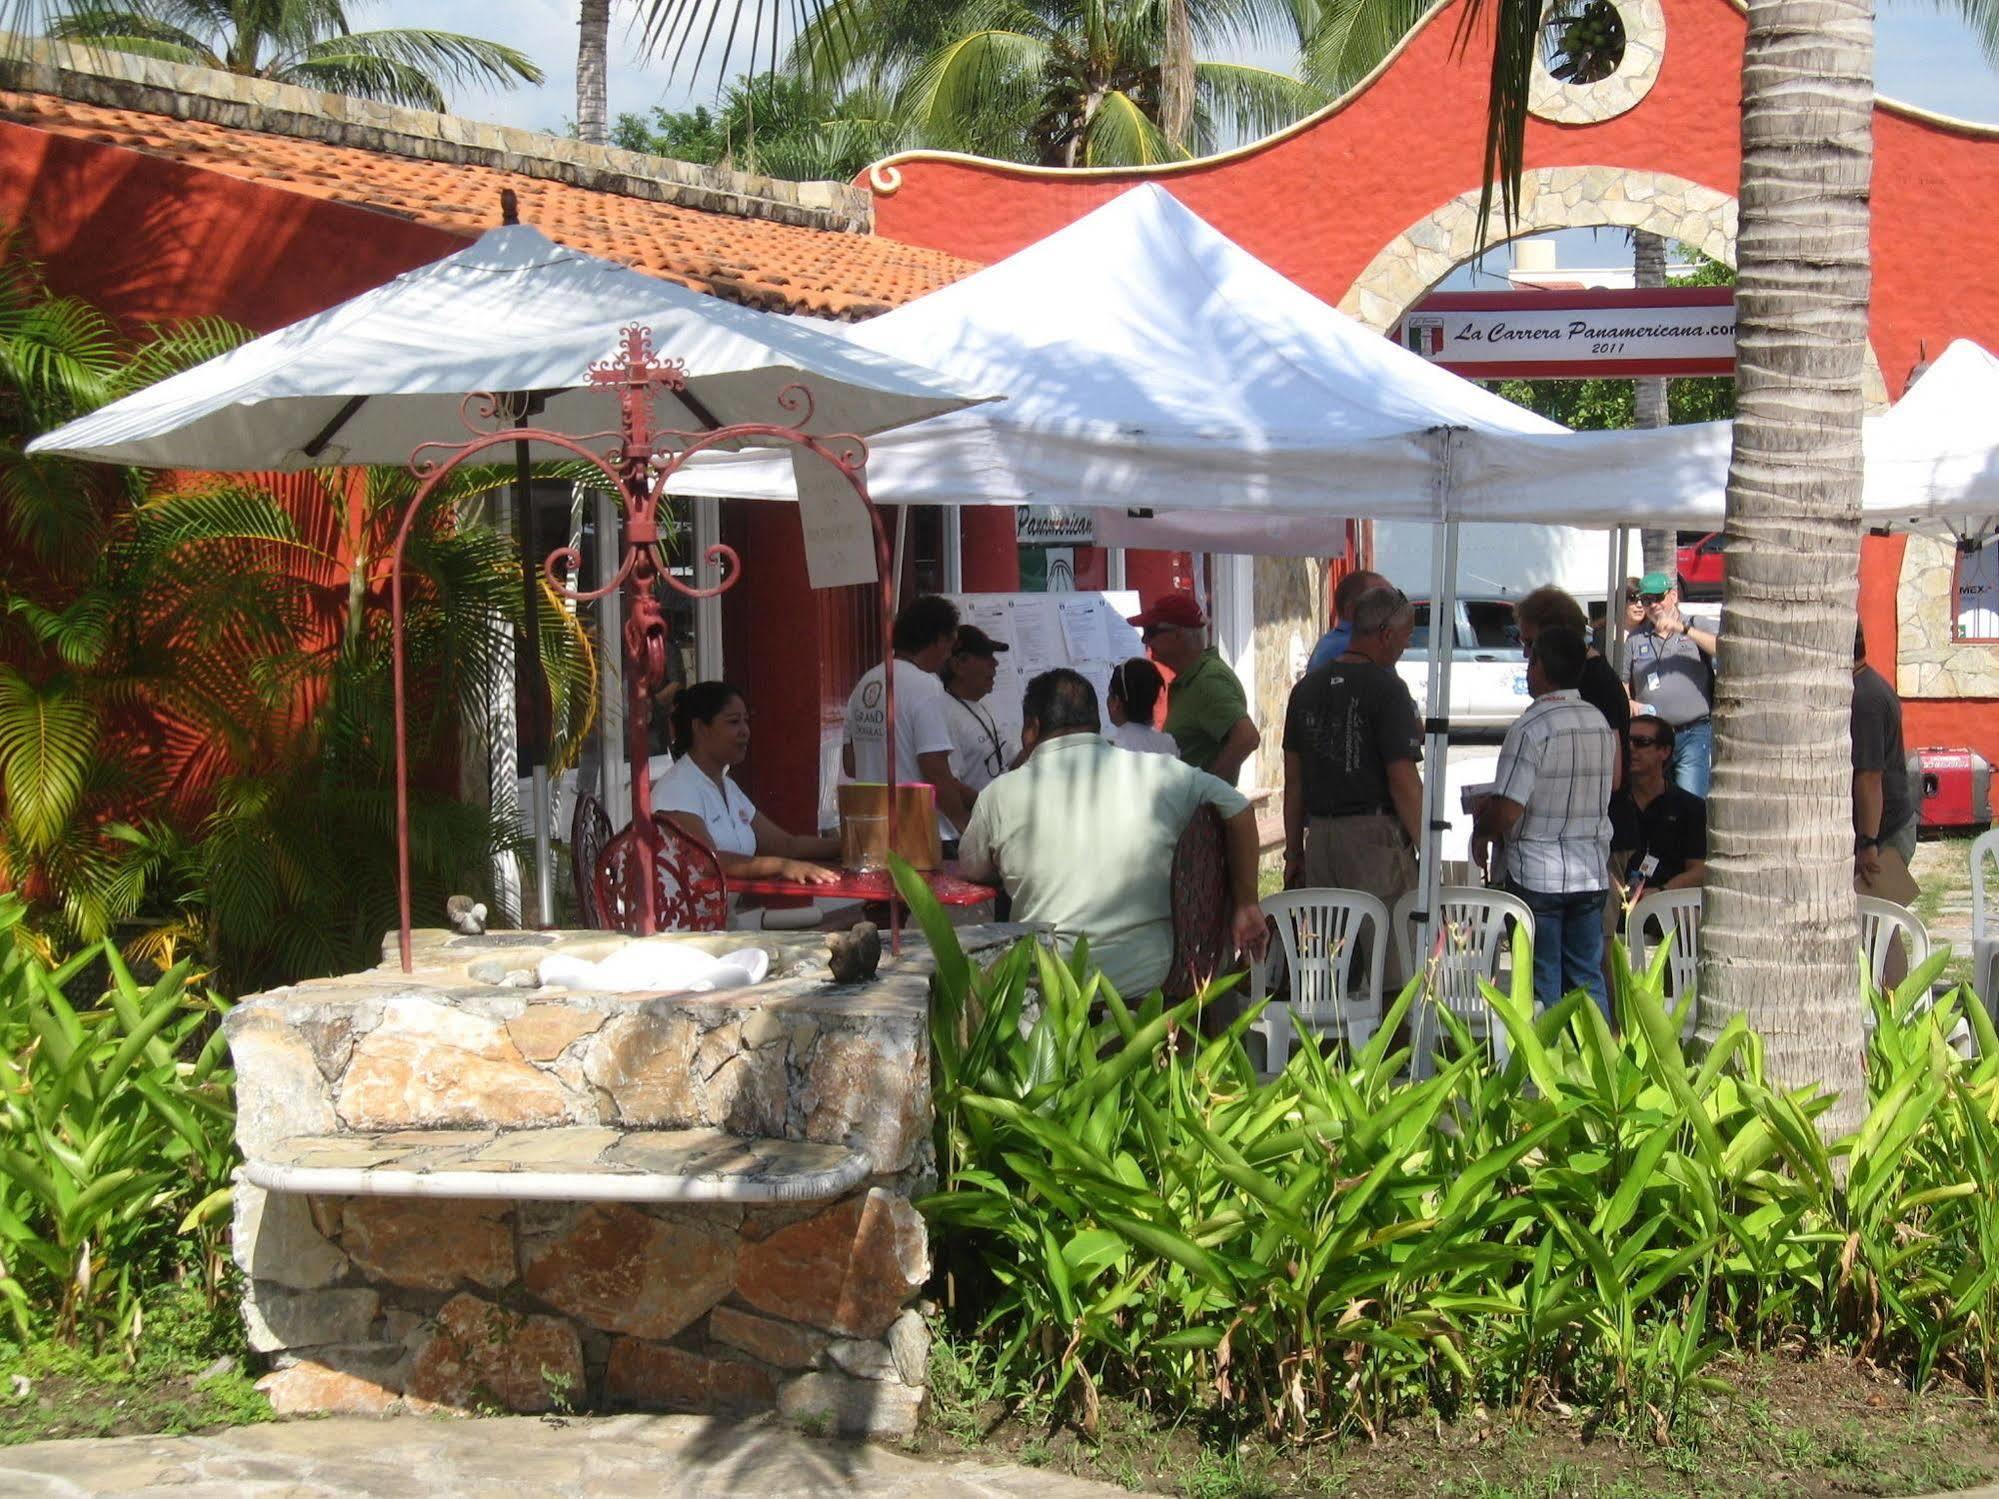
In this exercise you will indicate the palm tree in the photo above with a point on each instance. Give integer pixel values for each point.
(593, 104)
(1778, 934)
(306, 42)
(1057, 82)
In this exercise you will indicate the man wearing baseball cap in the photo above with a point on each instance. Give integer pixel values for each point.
(1207, 712)
(980, 752)
(1669, 668)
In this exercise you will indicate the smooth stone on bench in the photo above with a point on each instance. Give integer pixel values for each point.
(580, 1164)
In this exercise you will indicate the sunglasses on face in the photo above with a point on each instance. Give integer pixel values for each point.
(1645, 741)
(1153, 632)
(1651, 598)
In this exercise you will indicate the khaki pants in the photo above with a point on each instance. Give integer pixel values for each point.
(1892, 881)
(1368, 853)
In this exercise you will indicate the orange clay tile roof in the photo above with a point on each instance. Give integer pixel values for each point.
(777, 267)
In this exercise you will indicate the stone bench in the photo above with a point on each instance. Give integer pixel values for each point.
(580, 1163)
(465, 1192)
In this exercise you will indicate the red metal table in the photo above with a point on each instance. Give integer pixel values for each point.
(869, 884)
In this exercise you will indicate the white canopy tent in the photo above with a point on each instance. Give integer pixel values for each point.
(1217, 405)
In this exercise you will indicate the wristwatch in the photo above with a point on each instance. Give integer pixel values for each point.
(1860, 843)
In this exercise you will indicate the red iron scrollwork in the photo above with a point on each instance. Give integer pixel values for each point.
(639, 465)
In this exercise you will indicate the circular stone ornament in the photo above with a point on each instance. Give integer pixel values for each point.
(1590, 103)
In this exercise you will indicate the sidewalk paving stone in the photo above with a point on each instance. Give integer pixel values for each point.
(521, 1456)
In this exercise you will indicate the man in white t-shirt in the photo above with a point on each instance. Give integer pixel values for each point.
(925, 632)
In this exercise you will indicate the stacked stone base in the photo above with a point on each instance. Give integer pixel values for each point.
(388, 1304)
(381, 1303)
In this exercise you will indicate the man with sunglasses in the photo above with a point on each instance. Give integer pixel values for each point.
(1207, 712)
(1669, 668)
(1658, 829)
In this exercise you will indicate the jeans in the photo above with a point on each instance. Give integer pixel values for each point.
(1693, 757)
(1568, 944)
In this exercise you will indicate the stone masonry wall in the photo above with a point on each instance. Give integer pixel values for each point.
(371, 1304)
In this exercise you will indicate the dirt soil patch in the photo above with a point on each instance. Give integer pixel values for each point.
(1794, 1427)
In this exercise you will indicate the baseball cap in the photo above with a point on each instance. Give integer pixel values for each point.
(1655, 583)
(972, 641)
(1178, 609)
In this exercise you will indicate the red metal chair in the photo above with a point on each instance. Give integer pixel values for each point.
(689, 893)
(590, 833)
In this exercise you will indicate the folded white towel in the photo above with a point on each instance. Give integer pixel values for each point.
(641, 967)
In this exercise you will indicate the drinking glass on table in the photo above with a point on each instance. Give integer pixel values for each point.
(865, 842)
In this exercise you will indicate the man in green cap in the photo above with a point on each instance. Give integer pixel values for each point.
(1669, 668)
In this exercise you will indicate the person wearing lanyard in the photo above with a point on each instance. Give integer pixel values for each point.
(711, 734)
(978, 750)
(1669, 668)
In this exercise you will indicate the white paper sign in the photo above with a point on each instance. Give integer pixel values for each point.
(839, 538)
(1083, 628)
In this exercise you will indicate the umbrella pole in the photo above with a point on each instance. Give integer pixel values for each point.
(537, 724)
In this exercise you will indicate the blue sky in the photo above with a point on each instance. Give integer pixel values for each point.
(1922, 57)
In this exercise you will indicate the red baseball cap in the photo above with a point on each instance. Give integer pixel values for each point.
(1178, 609)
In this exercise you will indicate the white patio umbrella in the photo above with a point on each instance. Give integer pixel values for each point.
(368, 380)
(371, 379)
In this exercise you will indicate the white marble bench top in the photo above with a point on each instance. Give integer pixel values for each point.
(578, 1163)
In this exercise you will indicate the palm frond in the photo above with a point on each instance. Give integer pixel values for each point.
(1121, 135)
(47, 738)
(1516, 41)
(1351, 37)
(379, 78)
(173, 349)
(1235, 101)
(446, 56)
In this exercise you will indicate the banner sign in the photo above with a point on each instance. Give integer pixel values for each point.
(1542, 335)
(1054, 526)
(839, 537)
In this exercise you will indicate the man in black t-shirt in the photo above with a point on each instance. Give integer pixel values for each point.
(1353, 797)
(1658, 831)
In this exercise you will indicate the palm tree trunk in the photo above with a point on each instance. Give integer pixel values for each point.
(1176, 76)
(1778, 943)
(593, 108)
(1648, 270)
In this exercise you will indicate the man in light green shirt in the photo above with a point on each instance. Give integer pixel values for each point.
(1082, 836)
(1207, 712)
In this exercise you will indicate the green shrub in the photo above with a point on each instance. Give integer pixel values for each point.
(116, 1143)
(1125, 1206)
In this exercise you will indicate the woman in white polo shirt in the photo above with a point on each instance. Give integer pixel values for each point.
(711, 733)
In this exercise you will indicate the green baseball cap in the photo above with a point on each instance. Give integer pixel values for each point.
(1655, 583)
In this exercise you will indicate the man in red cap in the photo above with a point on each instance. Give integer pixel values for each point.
(1207, 712)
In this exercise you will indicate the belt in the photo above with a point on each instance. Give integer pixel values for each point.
(1342, 816)
(1694, 723)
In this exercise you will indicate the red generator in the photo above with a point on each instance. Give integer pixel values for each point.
(1953, 787)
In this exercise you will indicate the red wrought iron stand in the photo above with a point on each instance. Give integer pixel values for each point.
(640, 464)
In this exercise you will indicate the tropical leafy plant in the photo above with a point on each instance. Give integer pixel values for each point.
(116, 1141)
(195, 706)
(1593, 1220)
(306, 42)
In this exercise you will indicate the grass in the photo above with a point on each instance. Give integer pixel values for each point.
(189, 1375)
(1797, 1423)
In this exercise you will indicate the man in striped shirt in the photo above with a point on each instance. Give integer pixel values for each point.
(1548, 816)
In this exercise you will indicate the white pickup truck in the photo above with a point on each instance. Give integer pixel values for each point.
(1488, 672)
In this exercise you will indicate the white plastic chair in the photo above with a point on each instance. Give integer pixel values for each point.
(1882, 925)
(1984, 924)
(1333, 992)
(1477, 926)
(1678, 914)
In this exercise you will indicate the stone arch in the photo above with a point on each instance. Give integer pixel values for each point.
(1409, 266)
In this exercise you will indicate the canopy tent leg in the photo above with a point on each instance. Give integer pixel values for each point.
(1616, 596)
(1436, 735)
(537, 681)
